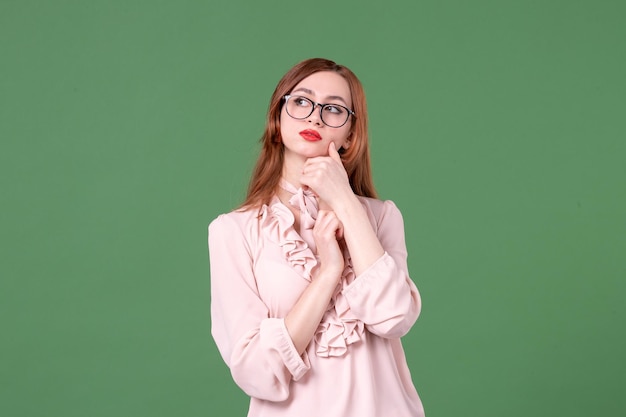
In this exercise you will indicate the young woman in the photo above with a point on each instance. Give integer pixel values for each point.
(310, 291)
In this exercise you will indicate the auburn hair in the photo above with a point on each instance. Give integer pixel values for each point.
(356, 159)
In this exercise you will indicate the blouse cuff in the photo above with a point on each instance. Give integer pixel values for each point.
(274, 336)
(379, 268)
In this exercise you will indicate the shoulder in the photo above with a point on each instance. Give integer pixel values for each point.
(379, 207)
(236, 221)
(380, 211)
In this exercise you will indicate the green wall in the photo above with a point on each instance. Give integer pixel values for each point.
(498, 127)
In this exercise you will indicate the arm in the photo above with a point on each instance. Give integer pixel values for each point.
(256, 348)
(327, 177)
(383, 296)
(263, 353)
(304, 318)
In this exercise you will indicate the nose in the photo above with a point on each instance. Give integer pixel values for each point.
(316, 115)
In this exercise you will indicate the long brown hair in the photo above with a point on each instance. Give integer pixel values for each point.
(356, 159)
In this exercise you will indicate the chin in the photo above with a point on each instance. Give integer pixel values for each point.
(307, 150)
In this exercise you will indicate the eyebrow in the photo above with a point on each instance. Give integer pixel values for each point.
(310, 92)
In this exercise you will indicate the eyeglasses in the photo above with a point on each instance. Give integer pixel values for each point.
(333, 115)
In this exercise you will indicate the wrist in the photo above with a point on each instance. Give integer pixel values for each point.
(348, 208)
(328, 275)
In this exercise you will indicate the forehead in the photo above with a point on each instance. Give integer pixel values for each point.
(325, 84)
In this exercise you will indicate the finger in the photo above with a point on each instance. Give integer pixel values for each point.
(323, 205)
(337, 227)
(305, 187)
(339, 231)
(332, 152)
(313, 177)
(312, 164)
(326, 223)
(332, 225)
(324, 220)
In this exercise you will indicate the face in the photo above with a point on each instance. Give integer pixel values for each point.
(310, 137)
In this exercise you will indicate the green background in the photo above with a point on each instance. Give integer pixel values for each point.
(498, 128)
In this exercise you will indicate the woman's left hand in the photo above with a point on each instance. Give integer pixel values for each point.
(327, 178)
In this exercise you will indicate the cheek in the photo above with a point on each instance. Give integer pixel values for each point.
(283, 124)
(285, 121)
(342, 136)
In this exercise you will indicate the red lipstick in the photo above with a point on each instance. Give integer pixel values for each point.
(310, 135)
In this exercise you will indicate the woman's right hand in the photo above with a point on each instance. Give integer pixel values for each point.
(327, 232)
(305, 316)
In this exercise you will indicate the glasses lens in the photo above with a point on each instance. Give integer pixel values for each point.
(335, 115)
(299, 107)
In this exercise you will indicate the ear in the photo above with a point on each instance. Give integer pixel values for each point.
(347, 142)
(342, 150)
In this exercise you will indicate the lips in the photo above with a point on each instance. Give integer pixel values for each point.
(310, 135)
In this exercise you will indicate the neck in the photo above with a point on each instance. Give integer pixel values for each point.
(292, 170)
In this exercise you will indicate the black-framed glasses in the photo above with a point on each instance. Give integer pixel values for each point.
(333, 115)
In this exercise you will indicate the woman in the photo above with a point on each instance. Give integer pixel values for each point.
(309, 283)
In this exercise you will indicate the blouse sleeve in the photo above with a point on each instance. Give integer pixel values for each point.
(383, 296)
(257, 349)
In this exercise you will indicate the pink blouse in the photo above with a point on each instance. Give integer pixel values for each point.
(355, 364)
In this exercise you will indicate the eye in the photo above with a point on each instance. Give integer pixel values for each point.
(302, 102)
(330, 108)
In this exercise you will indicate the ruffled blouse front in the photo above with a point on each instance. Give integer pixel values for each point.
(277, 226)
(338, 328)
(260, 264)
